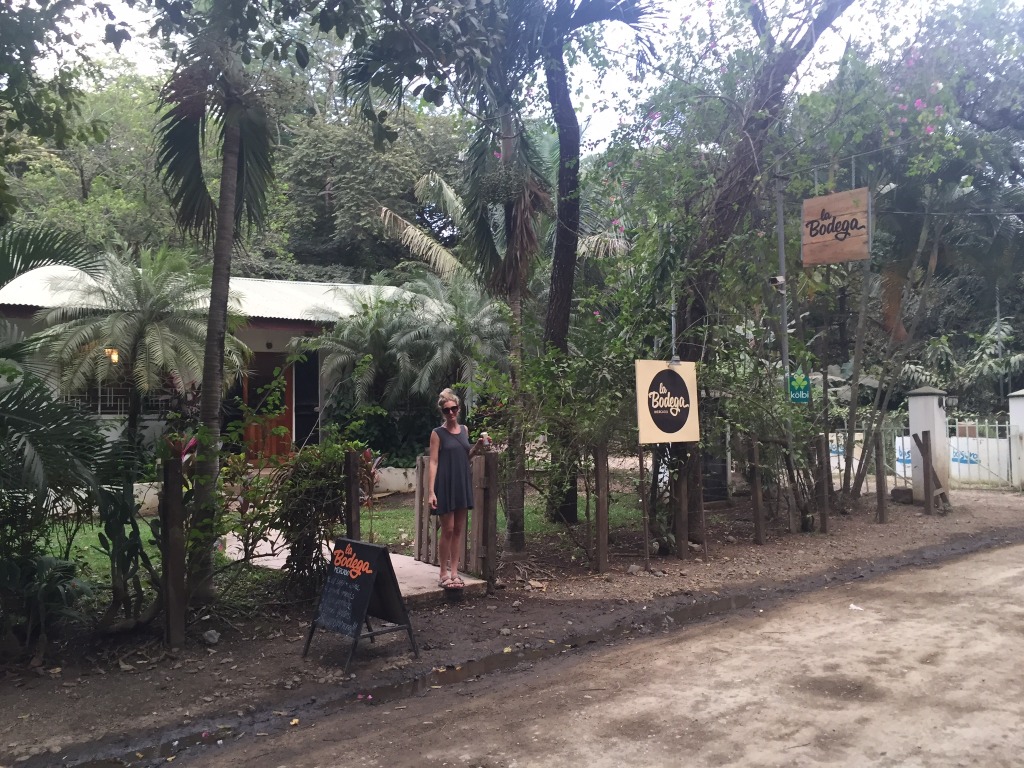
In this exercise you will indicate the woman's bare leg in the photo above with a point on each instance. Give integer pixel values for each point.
(444, 544)
(457, 546)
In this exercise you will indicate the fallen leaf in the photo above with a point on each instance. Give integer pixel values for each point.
(295, 721)
(508, 649)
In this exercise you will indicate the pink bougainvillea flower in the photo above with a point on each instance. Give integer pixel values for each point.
(939, 111)
(919, 104)
(929, 129)
(903, 107)
(498, 155)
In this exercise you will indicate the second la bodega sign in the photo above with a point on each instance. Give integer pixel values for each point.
(666, 402)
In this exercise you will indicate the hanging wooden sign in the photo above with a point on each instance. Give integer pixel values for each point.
(836, 228)
(666, 402)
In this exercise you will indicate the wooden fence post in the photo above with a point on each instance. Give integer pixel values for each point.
(681, 508)
(826, 474)
(489, 529)
(352, 495)
(926, 460)
(755, 490)
(425, 542)
(172, 514)
(419, 538)
(882, 513)
(601, 522)
(475, 556)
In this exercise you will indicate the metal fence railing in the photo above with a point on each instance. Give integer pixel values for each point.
(979, 453)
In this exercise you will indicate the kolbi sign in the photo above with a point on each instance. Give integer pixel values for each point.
(666, 402)
(799, 388)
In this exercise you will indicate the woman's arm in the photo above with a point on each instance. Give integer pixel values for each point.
(435, 447)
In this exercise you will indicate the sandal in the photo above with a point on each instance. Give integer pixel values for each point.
(456, 582)
(445, 583)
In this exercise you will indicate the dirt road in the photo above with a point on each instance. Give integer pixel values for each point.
(920, 668)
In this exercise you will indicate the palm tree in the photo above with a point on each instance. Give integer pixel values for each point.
(501, 243)
(499, 219)
(211, 84)
(453, 328)
(430, 336)
(154, 315)
(37, 434)
(361, 349)
(47, 447)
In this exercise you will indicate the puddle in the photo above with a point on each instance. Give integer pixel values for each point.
(183, 743)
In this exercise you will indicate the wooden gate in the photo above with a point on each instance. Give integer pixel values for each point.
(481, 544)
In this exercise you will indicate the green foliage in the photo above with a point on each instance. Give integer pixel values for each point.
(337, 185)
(388, 361)
(311, 503)
(102, 188)
(35, 594)
(31, 103)
(250, 485)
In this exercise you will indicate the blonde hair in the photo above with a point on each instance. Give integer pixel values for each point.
(447, 396)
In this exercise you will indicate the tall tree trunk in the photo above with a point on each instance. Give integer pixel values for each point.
(736, 187)
(516, 270)
(567, 231)
(208, 459)
(515, 510)
(562, 499)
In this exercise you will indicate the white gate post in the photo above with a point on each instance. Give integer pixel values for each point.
(1017, 439)
(928, 414)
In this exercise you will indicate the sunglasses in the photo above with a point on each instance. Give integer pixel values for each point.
(450, 409)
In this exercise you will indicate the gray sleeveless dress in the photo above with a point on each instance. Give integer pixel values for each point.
(453, 483)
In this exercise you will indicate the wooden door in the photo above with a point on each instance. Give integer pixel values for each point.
(273, 435)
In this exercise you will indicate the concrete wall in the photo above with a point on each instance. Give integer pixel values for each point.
(396, 480)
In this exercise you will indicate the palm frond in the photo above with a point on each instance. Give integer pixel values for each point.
(255, 169)
(42, 440)
(22, 250)
(181, 135)
(420, 244)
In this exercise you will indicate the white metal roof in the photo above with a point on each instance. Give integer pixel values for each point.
(54, 286)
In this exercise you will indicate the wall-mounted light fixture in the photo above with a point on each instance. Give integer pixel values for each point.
(112, 353)
(952, 401)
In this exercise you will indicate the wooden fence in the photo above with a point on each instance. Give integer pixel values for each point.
(481, 541)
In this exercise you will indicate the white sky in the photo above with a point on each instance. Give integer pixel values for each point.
(604, 105)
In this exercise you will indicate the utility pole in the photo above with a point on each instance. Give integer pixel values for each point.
(780, 184)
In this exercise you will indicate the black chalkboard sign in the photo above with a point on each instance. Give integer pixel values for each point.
(361, 584)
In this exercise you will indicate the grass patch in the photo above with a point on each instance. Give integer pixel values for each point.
(620, 516)
(391, 526)
(93, 563)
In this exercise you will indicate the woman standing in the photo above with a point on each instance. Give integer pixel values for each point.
(451, 484)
